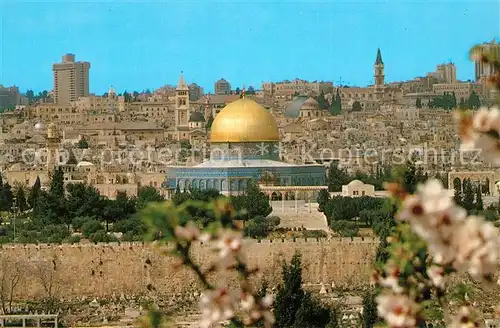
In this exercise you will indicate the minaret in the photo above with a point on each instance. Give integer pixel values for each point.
(52, 145)
(379, 76)
(182, 109)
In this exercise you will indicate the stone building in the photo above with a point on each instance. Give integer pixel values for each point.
(222, 87)
(357, 188)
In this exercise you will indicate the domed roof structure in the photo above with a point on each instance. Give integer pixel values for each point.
(355, 183)
(310, 104)
(293, 108)
(39, 126)
(244, 120)
(197, 117)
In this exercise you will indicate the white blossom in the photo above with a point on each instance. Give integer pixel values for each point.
(465, 318)
(190, 232)
(216, 306)
(397, 310)
(391, 280)
(256, 309)
(477, 246)
(436, 275)
(482, 133)
(229, 244)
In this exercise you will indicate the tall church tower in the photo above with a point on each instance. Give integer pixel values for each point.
(379, 76)
(182, 109)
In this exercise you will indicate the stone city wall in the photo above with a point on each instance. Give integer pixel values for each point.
(103, 270)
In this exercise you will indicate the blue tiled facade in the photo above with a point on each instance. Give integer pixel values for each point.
(233, 179)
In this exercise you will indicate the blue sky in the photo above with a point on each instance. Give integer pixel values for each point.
(135, 45)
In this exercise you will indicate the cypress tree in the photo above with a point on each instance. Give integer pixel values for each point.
(479, 199)
(21, 199)
(468, 195)
(57, 184)
(34, 193)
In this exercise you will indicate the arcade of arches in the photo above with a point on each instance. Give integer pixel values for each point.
(283, 193)
(486, 180)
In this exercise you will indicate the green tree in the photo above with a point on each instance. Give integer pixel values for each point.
(356, 106)
(57, 183)
(21, 199)
(6, 197)
(117, 209)
(311, 313)
(290, 294)
(254, 201)
(260, 226)
(418, 103)
(34, 192)
(83, 144)
(127, 97)
(345, 228)
(474, 102)
(322, 100)
(31, 96)
(323, 199)
(479, 198)
(336, 177)
(84, 201)
(148, 194)
(469, 195)
(453, 100)
(370, 316)
(293, 306)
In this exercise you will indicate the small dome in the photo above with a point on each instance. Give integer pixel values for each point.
(310, 104)
(293, 108)
(196, 117)
(84, 163)
(39, 126)
(354, 183)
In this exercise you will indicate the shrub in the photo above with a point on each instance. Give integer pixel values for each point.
(260, 227)
(78, 222)
(90, 227)
(314, 234)
(72, 240)
(345, 228)
(132, 225)
(129, 236)
(100, 236)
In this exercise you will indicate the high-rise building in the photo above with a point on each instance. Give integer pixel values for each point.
(195, 92)
(222, 87)
(482, 70)
(71, 80)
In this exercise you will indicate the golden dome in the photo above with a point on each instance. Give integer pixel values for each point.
(244, 120)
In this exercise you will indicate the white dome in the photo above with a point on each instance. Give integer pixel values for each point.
(39, 126)
(84, 163)
(355, 183)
